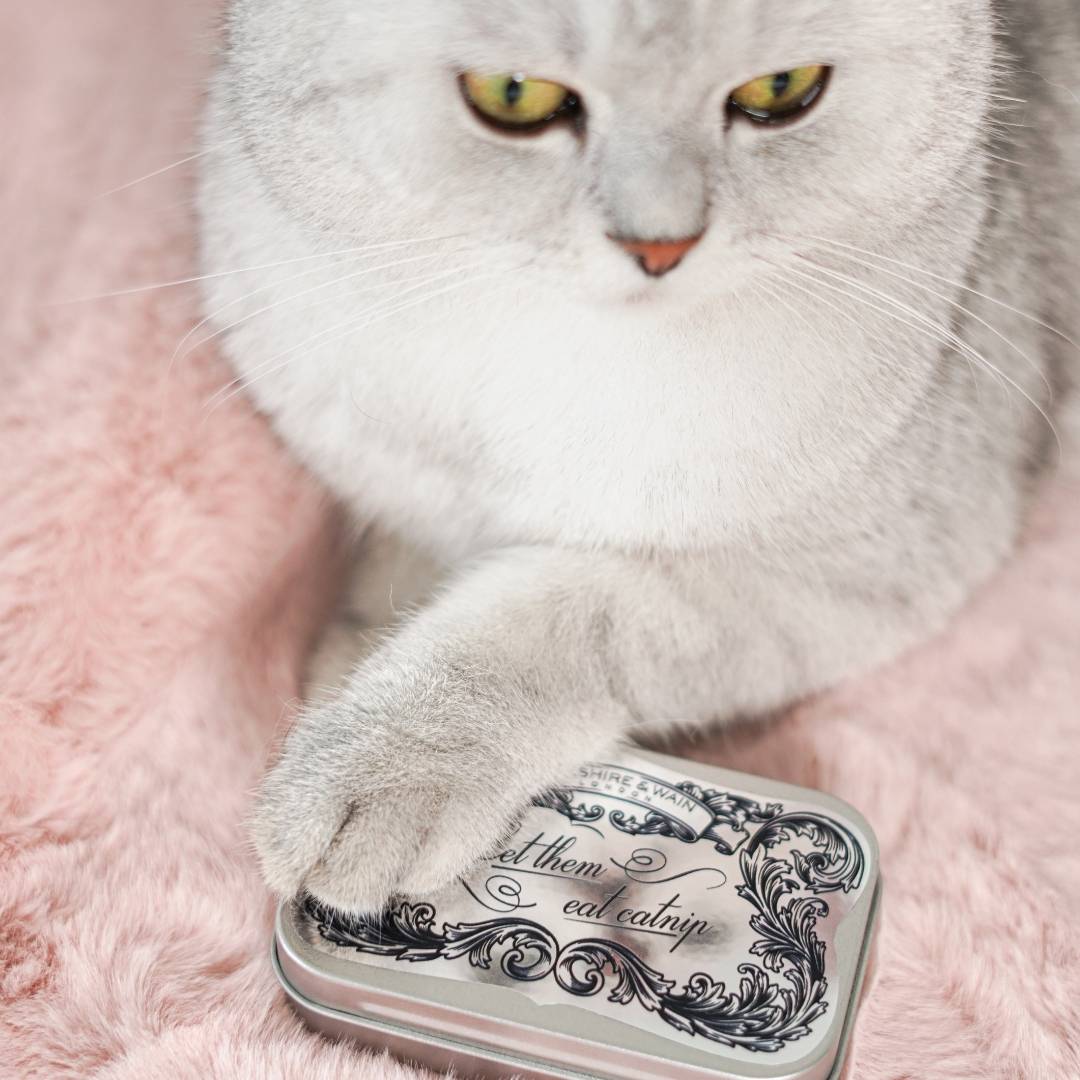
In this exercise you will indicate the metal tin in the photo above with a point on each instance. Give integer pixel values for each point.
(657, 919)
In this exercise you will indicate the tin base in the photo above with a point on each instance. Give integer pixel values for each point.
(467, 1060)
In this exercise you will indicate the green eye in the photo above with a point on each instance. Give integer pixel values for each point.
(515, 101)
(781, 95)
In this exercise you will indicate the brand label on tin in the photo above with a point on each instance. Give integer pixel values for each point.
(700, 914)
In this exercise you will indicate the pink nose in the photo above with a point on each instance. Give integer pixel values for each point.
(657, 257)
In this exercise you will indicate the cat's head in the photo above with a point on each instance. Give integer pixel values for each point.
(597, 144)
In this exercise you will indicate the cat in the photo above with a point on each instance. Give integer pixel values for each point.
(712, 350)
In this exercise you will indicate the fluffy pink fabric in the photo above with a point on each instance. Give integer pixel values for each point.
(163, 568)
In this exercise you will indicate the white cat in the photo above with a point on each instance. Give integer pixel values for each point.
(705, 343)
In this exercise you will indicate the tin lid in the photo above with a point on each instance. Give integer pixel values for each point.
(658, 918)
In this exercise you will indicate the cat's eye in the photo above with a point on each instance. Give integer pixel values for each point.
(516, 102)
(782, 95)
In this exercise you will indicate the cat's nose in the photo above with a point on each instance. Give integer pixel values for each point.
(657, 257)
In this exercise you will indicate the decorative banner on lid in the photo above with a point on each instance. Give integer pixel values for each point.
(682, 810)
(649, 792)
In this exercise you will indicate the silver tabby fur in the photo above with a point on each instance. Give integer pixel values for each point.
(653, 502)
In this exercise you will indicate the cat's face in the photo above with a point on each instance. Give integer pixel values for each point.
(535, 381)
(355, 112)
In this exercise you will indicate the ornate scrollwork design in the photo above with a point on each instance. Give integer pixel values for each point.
(761, 1014)
(562, 802)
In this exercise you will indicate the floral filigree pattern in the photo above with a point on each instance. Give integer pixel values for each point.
(762, 1014)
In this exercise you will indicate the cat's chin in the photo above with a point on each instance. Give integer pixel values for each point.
(658, 297)
(649, 299)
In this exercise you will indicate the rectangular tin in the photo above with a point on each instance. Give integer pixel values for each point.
(657, 920)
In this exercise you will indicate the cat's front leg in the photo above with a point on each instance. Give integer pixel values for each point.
(538, 659)
(439, 740)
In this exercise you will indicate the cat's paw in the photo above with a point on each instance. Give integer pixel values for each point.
(359, 809)
(409, 842)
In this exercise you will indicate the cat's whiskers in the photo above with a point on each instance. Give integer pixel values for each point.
(955, 304)
(198, 155)
(939, 331)
(915, 319)
(861, 302)
(334, 298)
(322, 286)
(239, 386)
(889, 354)
(340, 330)
(362, 249)
(1053, 85)
(990, 95)
(274, 362)
(981, 199)
(777, 297)
(962, 286)
(936, 331)
(1006, 161)
(214, 315)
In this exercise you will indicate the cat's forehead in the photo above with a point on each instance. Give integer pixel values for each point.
(667, 31)
(579, 25)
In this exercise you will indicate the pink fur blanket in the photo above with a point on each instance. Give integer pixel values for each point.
(163, 565)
